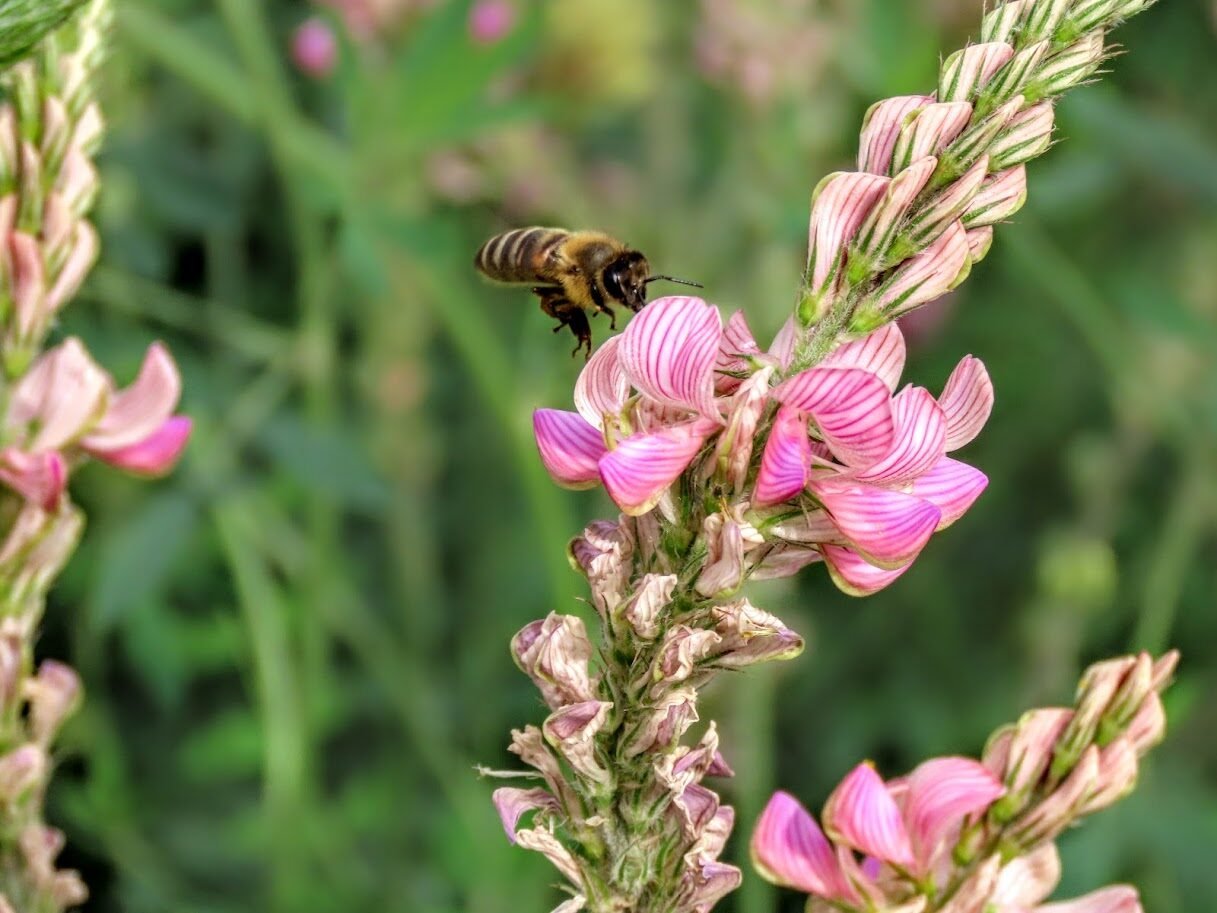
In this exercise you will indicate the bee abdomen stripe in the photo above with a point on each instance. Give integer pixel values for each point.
(513, 255)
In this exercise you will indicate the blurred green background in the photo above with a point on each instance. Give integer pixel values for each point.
(295, 648)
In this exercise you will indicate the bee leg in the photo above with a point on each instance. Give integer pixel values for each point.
(576, 319)
(557, 305)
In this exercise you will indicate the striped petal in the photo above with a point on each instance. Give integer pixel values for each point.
(854, 575)
(929, 131)
(669, 352)
(928, 275)
(737, 347)
(142, 408)
(918, 442)
(967, 401)
(842, 203)
(881, 129)
(782, 347)
(570, 448)
(882, 352)
(888, 528)
(786, 460)
(156, 454)
(602, 387)
(640, 469)
(852, 408)
(941, 793)
(789, 849)
(862, 813)
(952, 487)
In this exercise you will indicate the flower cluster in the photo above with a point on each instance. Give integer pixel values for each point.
(970, 836)
(830, 463)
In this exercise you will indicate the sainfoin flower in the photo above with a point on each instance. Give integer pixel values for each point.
(66, 406)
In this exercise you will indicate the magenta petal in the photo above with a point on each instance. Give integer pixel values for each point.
(782, 347)
(854, 575)
(142, 408)
(862, 813)
(602, 387)
(39, 478)
(967, 401)
(888, 528)
(153, 456)
(919, 440)
(570, 447)
(638, 471)
(512, 804)
(786, 461)
(669, 351)
(881, 352)
(737, 346)
(789, 849)
(851, 407)
(952, 487)
(940, 794)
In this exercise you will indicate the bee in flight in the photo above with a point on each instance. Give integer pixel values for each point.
(577, 273)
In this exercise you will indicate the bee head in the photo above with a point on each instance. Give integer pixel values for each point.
(625, 279)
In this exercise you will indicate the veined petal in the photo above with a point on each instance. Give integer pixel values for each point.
(952, 487)
(782, 347)
(854, 575)
(669, 351)
(888, 528)
(638, 471)
(928, 275)
(1028, 879)
(1120, 898)
(153, 456)
(941, 793)
(789, 849)
(512, 804)
(919, 440)
(602, 387)
(851, 407)
(881, 352)
(882, 127)
(570, 448)
(137, 412)
(967, 401)
(929, 131)
(861, 812)
(738, 345)
(786, 460)
(842, 203)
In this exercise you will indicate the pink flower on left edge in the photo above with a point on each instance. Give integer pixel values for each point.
(66, 406)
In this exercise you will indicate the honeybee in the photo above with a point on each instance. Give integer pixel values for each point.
(578, 273)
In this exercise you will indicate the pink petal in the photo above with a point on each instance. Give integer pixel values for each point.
(789, 849)
(570, 447)
(1119, 898)
(881, 129)
(854, 575)
(138, 411)
(941, 793)
(928, 275)
(786, 460)
(861, 813)
(782, 347)
(888, 528)
(881, 352)
(919, 440)
(967, 401)
(737, 346)
(841, 205)
(952, 487)
(61, 395)
(39, 478)
(640, 469)
(851, 407)
(930, 131)
(602, 387)
(513, 804)
(156, 454)
(669, 351)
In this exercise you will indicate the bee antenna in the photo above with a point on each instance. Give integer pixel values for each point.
(651, 279)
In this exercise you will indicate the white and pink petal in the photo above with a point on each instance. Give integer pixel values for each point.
(966, 401)
(940, 794)
(789, 849)
(669, 352)
(861, 813)
(156, 454)
(852, 409)
(570, 448)
(919, 440)
(602, 388)
(640, 468)
(888, 528)
(881, 352)
(139, 411)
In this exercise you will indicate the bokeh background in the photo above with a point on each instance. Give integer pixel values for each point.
(295, 648)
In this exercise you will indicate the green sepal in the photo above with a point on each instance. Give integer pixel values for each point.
(24, 23)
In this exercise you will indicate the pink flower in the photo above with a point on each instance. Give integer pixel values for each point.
(314, 48)
(491, 20)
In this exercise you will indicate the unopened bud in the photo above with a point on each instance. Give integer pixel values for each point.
(878, 233)
(1027, 136)
(1057, 811)
(1134, 687)
(54, 694)
(1001, 23)
(1000, 197)
(1042, 19)
(68, 889)
(20, 771)
(1011, 80)
(1148, 725)
(980, 240)
(881, 128)
(1072, 66)
(977, 141)
(974, 894)
(925, 277)
(930, 131)
(555, 653)
(966, 71)
(1029, 878)
(946, 207)
(734, 453)
(1086, 15)
(1117, 776)
(1028, 756)
(12, 660)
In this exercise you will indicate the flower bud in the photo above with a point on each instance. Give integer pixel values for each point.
(1095, 691)
(1027, 136)
(53, 694)
(734, 453)
(1001, 22)
(662, 728)
(1042, 19)
(979, 242)
(1058, 810)
(1117, 776)
(572, 732)
(926, 276)
(1010, 81)
(1134, 686)
(554, 653)
(966, 71)
(647, 605)
(1148, 726)
(574, 905)
(978, 140)
(21, 770)
(12, 658)
(1000, 197)
(839, 206)
(682, 650)
(1029, 878)
(723, 571)
(929, 131)
(945, 208)
(749, 635)
(1074, 65)
(878, 232)
(1028, 755)
(881, 128)
(973, 895)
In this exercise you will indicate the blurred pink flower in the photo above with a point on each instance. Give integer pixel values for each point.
(315, 48)
(491, 20)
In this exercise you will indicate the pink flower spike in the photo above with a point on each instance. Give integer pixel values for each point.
(881, 352)
(156, 454)
(142, 409)
(941, 793)
(882, 127)
(491, 20)
(918, 442)
(842, 203)
(786, 461)
(669, 352)
(640, 469)
(967, 402)
(789, 849)
(40, 478)
(952, 487)
(851, 407)
(854, 575)
(1117, 899)
(928, 275)
(513, 804)
(888, 528)
(602, 387)
(862, 813)
(570, 447)
(314, 48)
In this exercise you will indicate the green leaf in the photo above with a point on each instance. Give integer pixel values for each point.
(24, 23)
